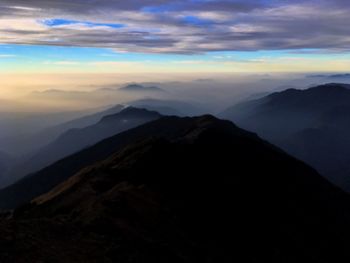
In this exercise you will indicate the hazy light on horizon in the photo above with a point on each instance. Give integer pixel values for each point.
(55, 92)
(57, 45)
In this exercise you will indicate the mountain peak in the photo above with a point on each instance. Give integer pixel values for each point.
(131, 112)
(205, 120)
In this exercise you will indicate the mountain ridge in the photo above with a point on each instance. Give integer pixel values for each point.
(27, 187)
(209, 191)
(288, 118)
(74, 140)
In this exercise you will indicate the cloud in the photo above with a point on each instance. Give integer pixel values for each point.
(7, 55)
(62, 63)
(182, 26)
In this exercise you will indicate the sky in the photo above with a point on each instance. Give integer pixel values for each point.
(174, 36)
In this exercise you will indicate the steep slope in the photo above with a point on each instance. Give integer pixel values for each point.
(311, 124)
(207, 192)
(77, 139)
(326, 148)
(290, 110)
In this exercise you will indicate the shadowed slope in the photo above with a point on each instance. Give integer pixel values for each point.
(312, 124)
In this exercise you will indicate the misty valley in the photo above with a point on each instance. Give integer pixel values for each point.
(169, 180)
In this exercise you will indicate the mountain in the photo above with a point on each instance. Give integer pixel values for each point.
(76, 139)
(311, 124)
(340, 76)
(30, 143)
(182, 190)
(344, 76)
(139, 87)
(85, 120)
(168, 107)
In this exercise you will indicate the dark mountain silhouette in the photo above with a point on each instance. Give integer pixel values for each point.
(187, 190)
(77, 139)
(311, 124)
(139, 87)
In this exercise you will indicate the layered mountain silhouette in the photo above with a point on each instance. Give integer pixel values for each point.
(85, 121)
(311, 124)
(30, 143)
(178, 190)
(77, 139)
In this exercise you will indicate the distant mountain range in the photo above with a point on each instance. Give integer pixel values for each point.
(311, 124)
(177, 190)
(29, 143)
(18, 124)
(140, 87)
(19, 145)
(24, 143)
(331, 76)
(76, 139)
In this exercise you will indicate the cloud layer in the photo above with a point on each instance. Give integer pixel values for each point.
(181, 26)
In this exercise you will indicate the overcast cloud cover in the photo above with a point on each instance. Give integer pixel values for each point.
(183, 26)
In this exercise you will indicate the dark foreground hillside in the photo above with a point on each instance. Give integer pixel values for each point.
(210, 193)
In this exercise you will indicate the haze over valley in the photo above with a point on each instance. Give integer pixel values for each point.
(174, 131)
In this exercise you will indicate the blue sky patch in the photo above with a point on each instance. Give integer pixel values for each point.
(196, 21)
(61, 22)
